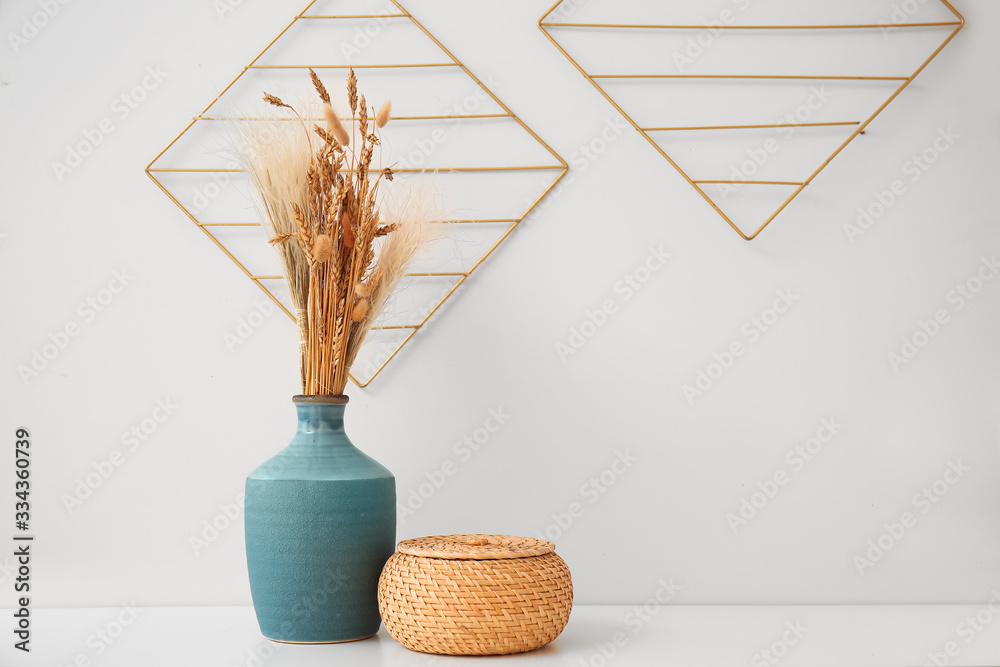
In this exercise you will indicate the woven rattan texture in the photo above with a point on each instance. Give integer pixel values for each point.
(475, 607)
(477, 547)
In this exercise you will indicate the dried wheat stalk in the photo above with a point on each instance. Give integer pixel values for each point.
(321, 212)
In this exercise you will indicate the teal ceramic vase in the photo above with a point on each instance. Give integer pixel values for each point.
(320, 524)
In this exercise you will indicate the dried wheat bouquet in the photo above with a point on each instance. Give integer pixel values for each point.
(320, 203)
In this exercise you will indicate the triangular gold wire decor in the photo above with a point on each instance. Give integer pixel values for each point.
(597, 37)
(446, 110)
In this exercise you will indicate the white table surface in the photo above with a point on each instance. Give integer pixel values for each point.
(667, 635)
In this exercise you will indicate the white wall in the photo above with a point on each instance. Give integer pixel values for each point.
(494, 346)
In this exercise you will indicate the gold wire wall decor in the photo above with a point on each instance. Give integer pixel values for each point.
(547, 26)
(556, 165)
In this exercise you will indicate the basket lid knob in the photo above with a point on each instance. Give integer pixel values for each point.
(477, 541)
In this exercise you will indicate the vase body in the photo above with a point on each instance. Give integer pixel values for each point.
(320, 524)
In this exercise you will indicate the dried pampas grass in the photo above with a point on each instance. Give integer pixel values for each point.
(321, 210)
(276, 156)
(412, 230)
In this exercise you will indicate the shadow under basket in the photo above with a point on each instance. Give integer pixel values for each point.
(475, 594)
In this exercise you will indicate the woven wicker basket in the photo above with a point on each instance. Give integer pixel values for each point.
(475, 594)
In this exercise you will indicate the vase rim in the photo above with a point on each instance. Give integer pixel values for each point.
(340, 399)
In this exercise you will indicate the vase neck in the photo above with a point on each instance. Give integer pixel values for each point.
(320, 417)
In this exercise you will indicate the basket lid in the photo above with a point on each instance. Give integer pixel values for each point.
(475, 547)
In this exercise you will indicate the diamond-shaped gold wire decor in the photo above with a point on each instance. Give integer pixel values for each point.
(750, 100)
(449, 131)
